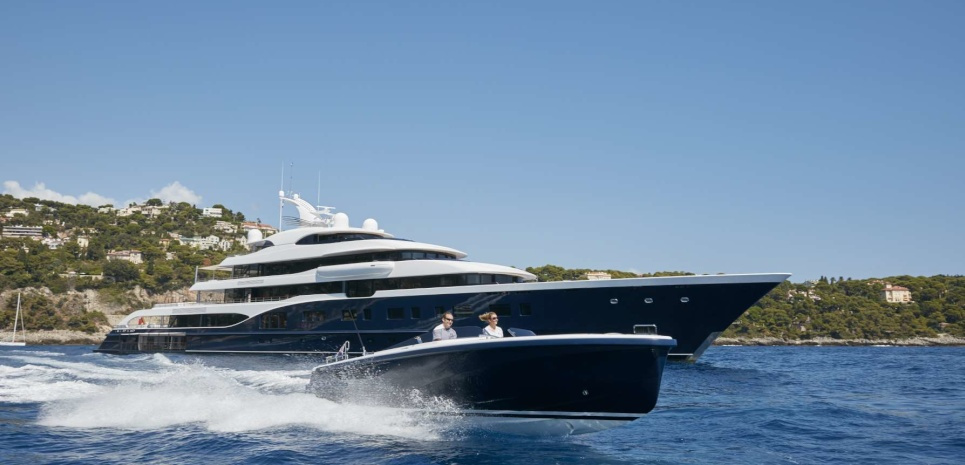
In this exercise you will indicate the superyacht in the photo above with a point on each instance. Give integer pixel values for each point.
(312, 288)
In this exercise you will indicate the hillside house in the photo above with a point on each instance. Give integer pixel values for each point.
(596, 275)
(133, 256)
(896, 294)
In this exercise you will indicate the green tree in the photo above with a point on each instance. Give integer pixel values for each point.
(121, 271)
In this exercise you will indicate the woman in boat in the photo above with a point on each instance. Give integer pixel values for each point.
(491, 330)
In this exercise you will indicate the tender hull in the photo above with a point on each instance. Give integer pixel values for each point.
(569, 384)
(693, 310)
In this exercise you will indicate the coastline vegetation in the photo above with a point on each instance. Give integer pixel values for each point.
(63, 278)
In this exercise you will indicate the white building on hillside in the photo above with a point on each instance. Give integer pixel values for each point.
(15, 211)
(32, 232)
(133, 256)
(128, 211)
(597, 275)
(896, 294)
(266, 229)
(52, 243)
(226, 227)
(203, 243)
(153, 211)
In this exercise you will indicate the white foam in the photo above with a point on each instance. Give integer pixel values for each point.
(224, 401)
(153, 392)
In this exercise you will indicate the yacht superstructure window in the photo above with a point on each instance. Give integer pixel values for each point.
(500, 309)
(395, 313)
(263, 245)
(297, 266)
(363, 287)
(525, 310)
(274, 320)
(198, 321)
(223, 319)
(331, 238)
(313, 317)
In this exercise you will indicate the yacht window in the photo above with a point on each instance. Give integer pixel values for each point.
(154, 343)
(298, 266)
(263, 245)
(274, 320)
(440, 311)
(348, 315)
(185, 321)
(361, 288)
(416, 313)
(395, 313)
(330, 238)
(223, 319)
(500, 309)
(525, 310)
(313, 317)
(446, 281)
(367, 314)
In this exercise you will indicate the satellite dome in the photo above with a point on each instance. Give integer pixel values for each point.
(370, 225)
(341, 220)
(254, 235)
(281, 193)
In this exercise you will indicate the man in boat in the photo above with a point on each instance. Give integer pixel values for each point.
(446, 331)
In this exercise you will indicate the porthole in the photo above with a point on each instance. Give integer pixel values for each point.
(614, 301)
(685, 299)
(648, 300)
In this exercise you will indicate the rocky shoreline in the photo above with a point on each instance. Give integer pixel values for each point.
(64, 337)
(943, 340)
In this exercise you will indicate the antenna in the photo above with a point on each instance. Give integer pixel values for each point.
(281, 191)
(318, 195)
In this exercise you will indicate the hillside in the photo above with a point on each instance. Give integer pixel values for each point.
(69, 284)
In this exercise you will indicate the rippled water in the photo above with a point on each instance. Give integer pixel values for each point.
(65, 404)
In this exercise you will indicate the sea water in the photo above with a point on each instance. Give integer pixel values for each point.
(66, 404)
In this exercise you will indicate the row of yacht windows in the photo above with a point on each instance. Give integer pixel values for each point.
(323, 239)
(332, 238)
(297, 266)
(365, 287)
(312, 318)
(191, 321)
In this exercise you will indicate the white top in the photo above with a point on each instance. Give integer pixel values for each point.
(443, 334)
(498, 332)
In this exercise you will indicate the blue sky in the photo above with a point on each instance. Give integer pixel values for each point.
(817, 138)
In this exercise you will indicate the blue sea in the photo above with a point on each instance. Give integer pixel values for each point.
(760, 405)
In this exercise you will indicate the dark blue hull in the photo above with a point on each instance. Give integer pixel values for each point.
(693, 314)
(599, 378)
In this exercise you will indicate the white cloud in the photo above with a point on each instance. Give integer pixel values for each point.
(40, 191)
(174, 192)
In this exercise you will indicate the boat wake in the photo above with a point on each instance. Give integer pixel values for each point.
(154, 392)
